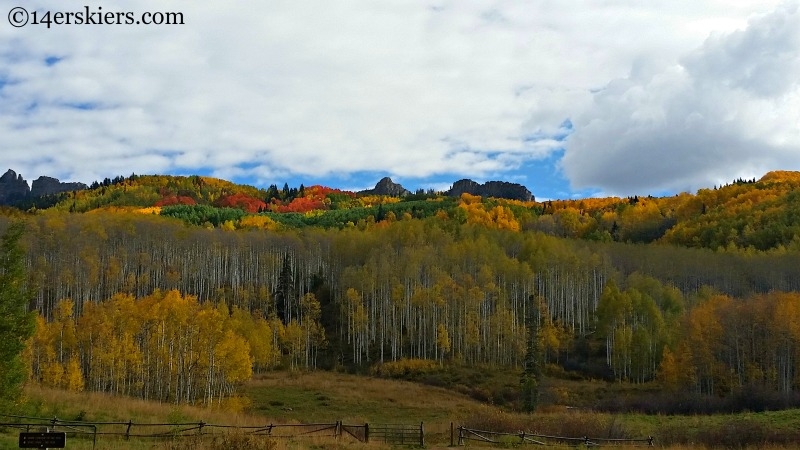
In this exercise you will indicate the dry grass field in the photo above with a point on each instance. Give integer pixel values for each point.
(325, 397)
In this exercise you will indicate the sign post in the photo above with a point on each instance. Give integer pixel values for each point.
(43, 440)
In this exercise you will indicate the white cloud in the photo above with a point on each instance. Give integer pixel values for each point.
(268, 89)
(728, 109)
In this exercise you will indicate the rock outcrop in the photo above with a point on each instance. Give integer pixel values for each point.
(48, 186)
(13, 188)
(387, 187)
(498, 189)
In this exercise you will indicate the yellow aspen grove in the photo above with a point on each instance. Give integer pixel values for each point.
(669, 371)
(442, 341)
(65, 328)
(313, 333)
(235, 363)
(259, 336)
(703, 336)
(210, 331)
(293, 342)
(52, 374)
(786, 317)
(504, 218)
(357, 322)
(224, 356)
(164, 346)
(73, 378)
(42, 354)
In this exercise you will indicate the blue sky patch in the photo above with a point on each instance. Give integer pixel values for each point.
(51, 61)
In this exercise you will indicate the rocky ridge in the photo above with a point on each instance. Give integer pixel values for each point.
(497, 189)
(387, 187)
(14, 188)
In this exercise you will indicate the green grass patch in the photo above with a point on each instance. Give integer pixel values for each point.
(328, 397)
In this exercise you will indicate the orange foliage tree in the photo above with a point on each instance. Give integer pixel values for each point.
(245, 202)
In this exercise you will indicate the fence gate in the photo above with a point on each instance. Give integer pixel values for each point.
(357, 431)
(397, 434)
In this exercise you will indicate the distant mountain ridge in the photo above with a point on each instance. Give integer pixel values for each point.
(14, 188)
(497, 189)
(758, 214)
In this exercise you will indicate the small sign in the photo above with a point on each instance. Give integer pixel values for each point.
(42, 440)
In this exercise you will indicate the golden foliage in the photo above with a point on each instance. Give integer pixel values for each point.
(165, 346)
(781, 175)
(155, 210)
(404, 368)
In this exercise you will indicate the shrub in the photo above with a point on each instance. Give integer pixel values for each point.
(404, 368)
(733, 433)
(753, 398)
(568, 424)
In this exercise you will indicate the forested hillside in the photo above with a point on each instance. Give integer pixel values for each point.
(178, 288)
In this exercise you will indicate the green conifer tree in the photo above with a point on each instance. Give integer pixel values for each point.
(532, 366)
(16, 323)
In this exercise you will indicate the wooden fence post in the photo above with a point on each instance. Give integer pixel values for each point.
(421, 435)
(452, 435)
(461, 435)
(128, 430)
(366, 433)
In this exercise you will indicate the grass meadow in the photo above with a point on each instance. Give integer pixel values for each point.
(326, 397)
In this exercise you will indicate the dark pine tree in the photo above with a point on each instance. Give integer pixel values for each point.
(532, 366)
(285, 291)
(16, 323)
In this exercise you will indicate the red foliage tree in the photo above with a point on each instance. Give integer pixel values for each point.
(247, 203)
(175, 200)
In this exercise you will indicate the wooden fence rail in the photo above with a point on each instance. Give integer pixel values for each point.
(523, 437)
(397, 434)
(393, 434)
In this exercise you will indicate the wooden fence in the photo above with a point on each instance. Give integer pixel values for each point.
(395, 434)
(392, 434)
(398, 434)
(522, 437)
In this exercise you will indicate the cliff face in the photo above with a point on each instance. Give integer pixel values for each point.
(498, 189)
(49, 186)
(14, 188)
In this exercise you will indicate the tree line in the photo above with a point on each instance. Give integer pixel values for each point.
(435, 288)
(755, 214)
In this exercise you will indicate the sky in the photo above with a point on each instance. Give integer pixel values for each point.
(571, 99)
